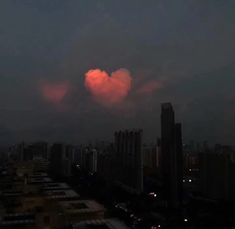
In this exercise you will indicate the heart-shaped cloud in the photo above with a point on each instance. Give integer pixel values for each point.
(108, 90)
(54, 92)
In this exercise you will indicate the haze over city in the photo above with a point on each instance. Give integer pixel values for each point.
(178, 51)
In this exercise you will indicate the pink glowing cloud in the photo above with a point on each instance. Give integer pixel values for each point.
(150, 87)
(54, 92)
(108, 90)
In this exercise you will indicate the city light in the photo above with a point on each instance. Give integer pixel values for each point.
(155, 227)
(153, 194)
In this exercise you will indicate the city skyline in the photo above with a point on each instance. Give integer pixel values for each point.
(166, 184)
(117, 114)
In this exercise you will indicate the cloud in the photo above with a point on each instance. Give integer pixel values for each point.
(54, 92)
(108, 90)
(149, 87)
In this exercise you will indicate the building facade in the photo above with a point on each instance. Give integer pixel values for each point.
(171, 149)
(128, 159)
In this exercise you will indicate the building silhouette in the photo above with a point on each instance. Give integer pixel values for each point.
(171, 148)
(128, 160)
(61, 160)
(217, 171)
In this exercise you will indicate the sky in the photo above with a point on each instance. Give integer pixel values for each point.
(78, 70)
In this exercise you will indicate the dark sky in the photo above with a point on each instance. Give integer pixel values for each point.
(185, 46)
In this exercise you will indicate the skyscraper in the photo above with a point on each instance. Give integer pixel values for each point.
(171, 145)
(179, 160)
(129, 159)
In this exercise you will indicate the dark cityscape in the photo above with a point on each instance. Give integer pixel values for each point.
(117, 114)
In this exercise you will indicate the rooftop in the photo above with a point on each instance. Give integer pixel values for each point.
(39, 180)
(100, 224)
(81, 206)
(61, 194)
(18, 218)
(55, 186)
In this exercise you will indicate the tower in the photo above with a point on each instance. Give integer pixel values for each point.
(129, 159)
(171, 148)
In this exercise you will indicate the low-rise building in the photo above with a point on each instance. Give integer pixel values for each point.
(78, 210)
(100, 224)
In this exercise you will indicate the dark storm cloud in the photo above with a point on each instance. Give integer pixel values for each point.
(187, 46)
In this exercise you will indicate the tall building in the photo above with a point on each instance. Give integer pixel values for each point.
(87, 158)
(93, 160)
(179, 160)
(151, 159)
(129, 160)
(217, 172)
(171, 148)
(104, 162)
(61, 159)
(27, 152)
(56, 159)
(40, 150)
(151, 155)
